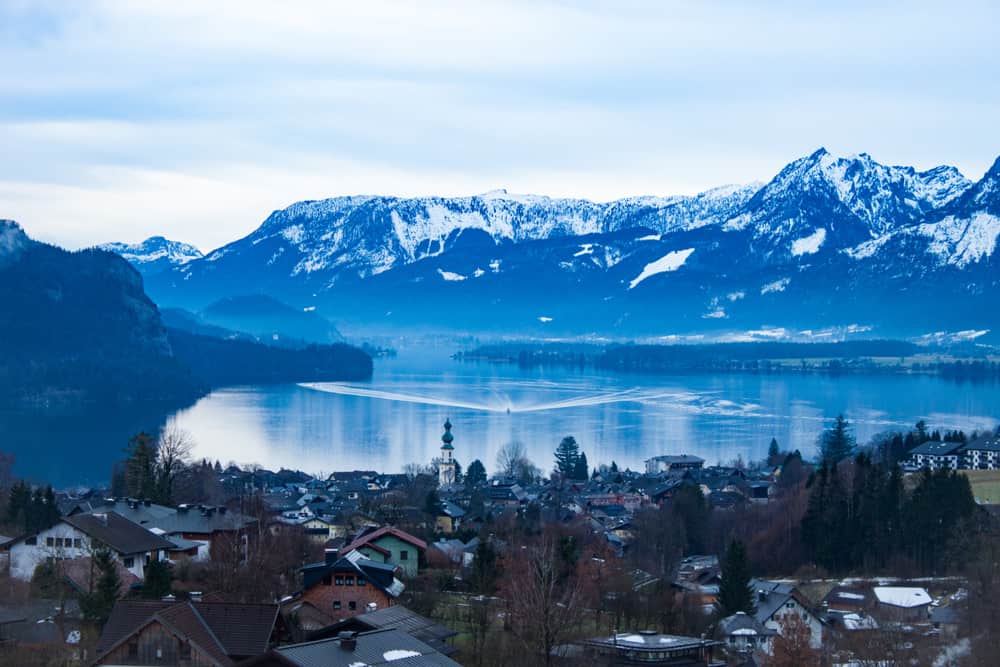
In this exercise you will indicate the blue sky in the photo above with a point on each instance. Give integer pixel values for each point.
(120, 120)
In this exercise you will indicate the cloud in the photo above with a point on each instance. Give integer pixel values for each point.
(179, 117)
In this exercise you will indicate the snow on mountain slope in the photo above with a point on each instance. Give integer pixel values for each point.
(154, 254)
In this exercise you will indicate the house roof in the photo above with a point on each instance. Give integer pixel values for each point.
(184, 519)
(987, 443)
(677, 458)
(380, 575)
(648, 641)
(770, 596)
(933, 448)
(395, 617)
(117, 532)
(221, 629)
(901, 596)
(378, 533)
(741, 623)
(78, 572)
(372, 649)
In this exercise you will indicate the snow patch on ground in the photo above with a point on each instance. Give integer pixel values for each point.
(776, 286)
(450, 276)
(669, 262)
(585, 249)
(651, 237)
(961, 242)
(809, 245)
(295, 233)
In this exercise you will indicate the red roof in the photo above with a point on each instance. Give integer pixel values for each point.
(368, 538)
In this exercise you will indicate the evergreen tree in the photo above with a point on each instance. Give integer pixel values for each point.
(98, 603)
(485, 568)
(476, 474)
(735, 593)
(159, 579)
(567, 454)
(432, 503)
(837, 442)
(614, 467)
(51, 514)
(689, 508)
(582, 469)
(140, 467)
(36, 511)
(773, 452)
(17, 504)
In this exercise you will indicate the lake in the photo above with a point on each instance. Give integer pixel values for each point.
(396, 418)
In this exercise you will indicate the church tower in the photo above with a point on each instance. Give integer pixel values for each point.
(446, 464)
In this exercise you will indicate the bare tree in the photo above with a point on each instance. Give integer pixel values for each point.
(544, 603)
(792, 646)
(513, 461)
(173, 452)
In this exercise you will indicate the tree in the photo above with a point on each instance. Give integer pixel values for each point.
(485, 569)
(582, 469)
(97, 604)
(614, 466)
(513, 462)
(140, 466)
(567, 454)
(173, 452)
(735, 593)
(689, 508)
(432, 503)
(837, 442)
(17, 504)
(158, 581)
(475, 475)
(792, 647)
(773, 452)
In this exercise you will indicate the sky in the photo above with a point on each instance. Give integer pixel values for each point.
(194, 120)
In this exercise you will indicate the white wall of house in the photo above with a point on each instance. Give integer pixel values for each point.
(791, 606)
(935, 461)
(63, 541)
(982, 459)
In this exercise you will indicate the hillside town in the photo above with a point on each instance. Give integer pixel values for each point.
(681, 563)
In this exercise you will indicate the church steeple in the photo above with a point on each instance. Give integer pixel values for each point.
(446, 464)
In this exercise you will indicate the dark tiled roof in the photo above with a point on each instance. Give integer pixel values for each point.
(374, 535)
(937, 448)
(379, 647)
(396, 617)
(118, 532)
(987, 443)
(193, 519)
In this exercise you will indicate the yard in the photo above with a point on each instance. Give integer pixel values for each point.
(985, 485)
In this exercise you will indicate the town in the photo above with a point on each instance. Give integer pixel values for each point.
(872, 555)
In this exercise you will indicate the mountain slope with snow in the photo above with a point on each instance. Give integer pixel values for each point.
(829, 241)
(155, 254)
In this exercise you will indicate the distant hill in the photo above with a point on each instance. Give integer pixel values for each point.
(271, 321)
(76, 327)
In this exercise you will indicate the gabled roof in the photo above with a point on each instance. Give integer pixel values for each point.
(184, 519)
(987, 443)
(375, 535)
(222, 630)
(770, 596)
(380, 575)
(902, 596)
(117, 532)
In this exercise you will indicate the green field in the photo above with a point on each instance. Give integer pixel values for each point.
(985, 485)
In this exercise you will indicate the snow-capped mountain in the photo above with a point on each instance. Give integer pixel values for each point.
(829, 241)
(155, 254)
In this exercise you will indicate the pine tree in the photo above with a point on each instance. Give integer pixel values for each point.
(582, 469)
(476, 474)
(837, 442)
(567, 454)
(140, 467)
(735, 593)
(51, 514)
(614, 467)
(98, 603)
(773, 452)
(17, 504)
(158, 581)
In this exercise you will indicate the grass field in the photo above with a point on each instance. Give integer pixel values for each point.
(985, 485)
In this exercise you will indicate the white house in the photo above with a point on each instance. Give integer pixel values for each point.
(983, 453)
(776, 602)
(936, 455)
(79, 536)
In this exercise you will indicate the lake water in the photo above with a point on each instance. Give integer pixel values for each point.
(396, 418)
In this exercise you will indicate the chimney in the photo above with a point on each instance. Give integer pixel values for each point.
(330, 555)
(168, 598)
(348, 640)
(761, 594)
(182, 509)
(103, 518)
(195, 596)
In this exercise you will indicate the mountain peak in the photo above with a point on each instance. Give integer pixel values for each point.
(154, 254)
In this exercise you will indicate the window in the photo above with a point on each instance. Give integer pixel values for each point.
(789, 605)
(361, 581)
(339, 581)
(129, 563)
(185, 651)
(349, 581)
(336, 604)
(31, 541)
(352, 605)
(77, 543)
(59, 542)
(404, 555)
(50, 542)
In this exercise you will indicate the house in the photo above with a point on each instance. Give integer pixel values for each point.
(698, 577)
(776, 601)
(391, 546)
(902, 603)
(743, 635)
(673, 463)
(644, 647)
(206, 634)
(350, 649)
(78, 536)
(849, 600)
(934, 455)
(983, 453)
(207, 525)
(449, 517)
(400, 618)
(342, 587)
